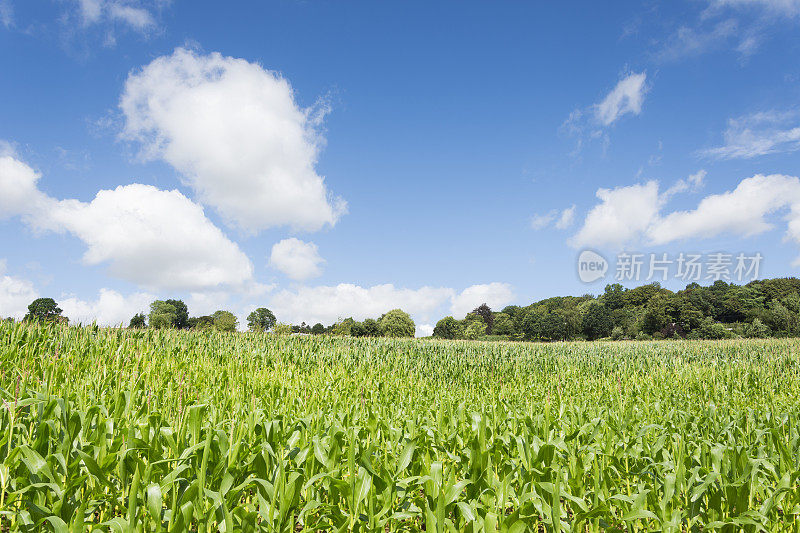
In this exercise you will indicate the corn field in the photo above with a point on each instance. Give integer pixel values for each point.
(160, 431)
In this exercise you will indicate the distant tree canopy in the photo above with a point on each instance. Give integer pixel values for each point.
(396, 323)
(162, 315)
(262, 319)
(181, 320)
(761, 308)
(224, 321)
(44, 309)
(138, 321)
(485, 313)
(448, 328)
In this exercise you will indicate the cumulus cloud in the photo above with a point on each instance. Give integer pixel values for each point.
(622, 215)
(109, 309)
(627, 215)
(15, 294)
(496, 295)
(156, 239)
(758, 134)
(626, 97)
(740, 211)
(424, 330)
(236, 135)
(297, 259)
(326, 304)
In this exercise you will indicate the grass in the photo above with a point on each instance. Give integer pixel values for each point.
(117, 430)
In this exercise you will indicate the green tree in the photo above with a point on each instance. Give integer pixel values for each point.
(552, 327)
(343, 327)
(655, 316)
(262, 319)
(614, 296)
(396, 323)
(43, 309)
(181, 320)
(503, 325)
(357, 330)
(318, 329)
(757, 330)
(162, 315)
(225, 321)
(711, 330)
(282, 329)
(371, 328)
(475, 330)
(137, 322)
(531, 324)
(485, 312)
(202, 323)
(448, 328)
(597, 322)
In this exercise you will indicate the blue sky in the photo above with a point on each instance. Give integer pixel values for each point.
(333, 159)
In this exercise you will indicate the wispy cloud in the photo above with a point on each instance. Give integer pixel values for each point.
(6, 13)
(738, 25)
(758, 134)
(591, 123)
(559, 219)
(626, 97)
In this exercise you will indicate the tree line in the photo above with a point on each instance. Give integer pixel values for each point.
(174, 314)
(762, 308)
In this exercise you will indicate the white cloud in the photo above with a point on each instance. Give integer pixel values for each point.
(627, 215)
(109, 309)
(542, 221)
(697, 179)
(424, 330)
(156, 239)
(566, 219)
(691, 41)
(326, 304)
(297, 259)
(789, 8)
(592, 123)
(6, 13)
(237, 136)
(622, 215)
(19, 194)
(15, 294)
(740, 211)
(759, 134)
(561, 220)
(694, 183)
(131, 13)
(496, 295)
(136, 17)
(626, 97)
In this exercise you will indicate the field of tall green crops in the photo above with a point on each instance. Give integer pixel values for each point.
(123, 430)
